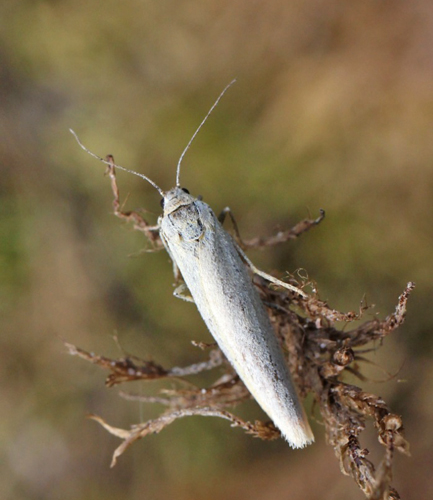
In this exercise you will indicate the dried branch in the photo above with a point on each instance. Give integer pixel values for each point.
(155, 426)
(318, 355)
(284, 236)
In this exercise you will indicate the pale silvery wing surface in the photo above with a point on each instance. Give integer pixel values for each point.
(231, 307)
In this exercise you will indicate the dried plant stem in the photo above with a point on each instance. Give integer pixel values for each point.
(318, 355)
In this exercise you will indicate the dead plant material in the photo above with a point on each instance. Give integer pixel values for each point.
(317, 353)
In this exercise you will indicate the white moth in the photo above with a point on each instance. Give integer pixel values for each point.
(215, 271)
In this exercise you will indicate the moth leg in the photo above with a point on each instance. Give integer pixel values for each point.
(268, 277)
(239, 244)
(222, 218)
(182, 292)
(140, 224)
(282, 236)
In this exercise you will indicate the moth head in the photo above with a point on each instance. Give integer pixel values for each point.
(176, 198)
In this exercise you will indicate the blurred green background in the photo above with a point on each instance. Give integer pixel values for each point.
(333, 109)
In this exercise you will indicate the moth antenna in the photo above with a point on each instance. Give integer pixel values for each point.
(161, 192)
(197, 131)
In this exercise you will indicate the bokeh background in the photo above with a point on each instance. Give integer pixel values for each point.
(333, 109)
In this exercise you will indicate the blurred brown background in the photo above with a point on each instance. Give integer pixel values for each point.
(333, 109)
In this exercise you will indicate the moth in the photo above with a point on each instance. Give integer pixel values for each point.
(218, 276)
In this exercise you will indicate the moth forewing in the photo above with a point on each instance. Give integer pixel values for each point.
(222, 289)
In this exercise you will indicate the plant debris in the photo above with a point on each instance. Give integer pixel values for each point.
(318, 355)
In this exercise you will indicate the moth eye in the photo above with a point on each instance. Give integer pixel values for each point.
(162, 202)
(185, 190)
